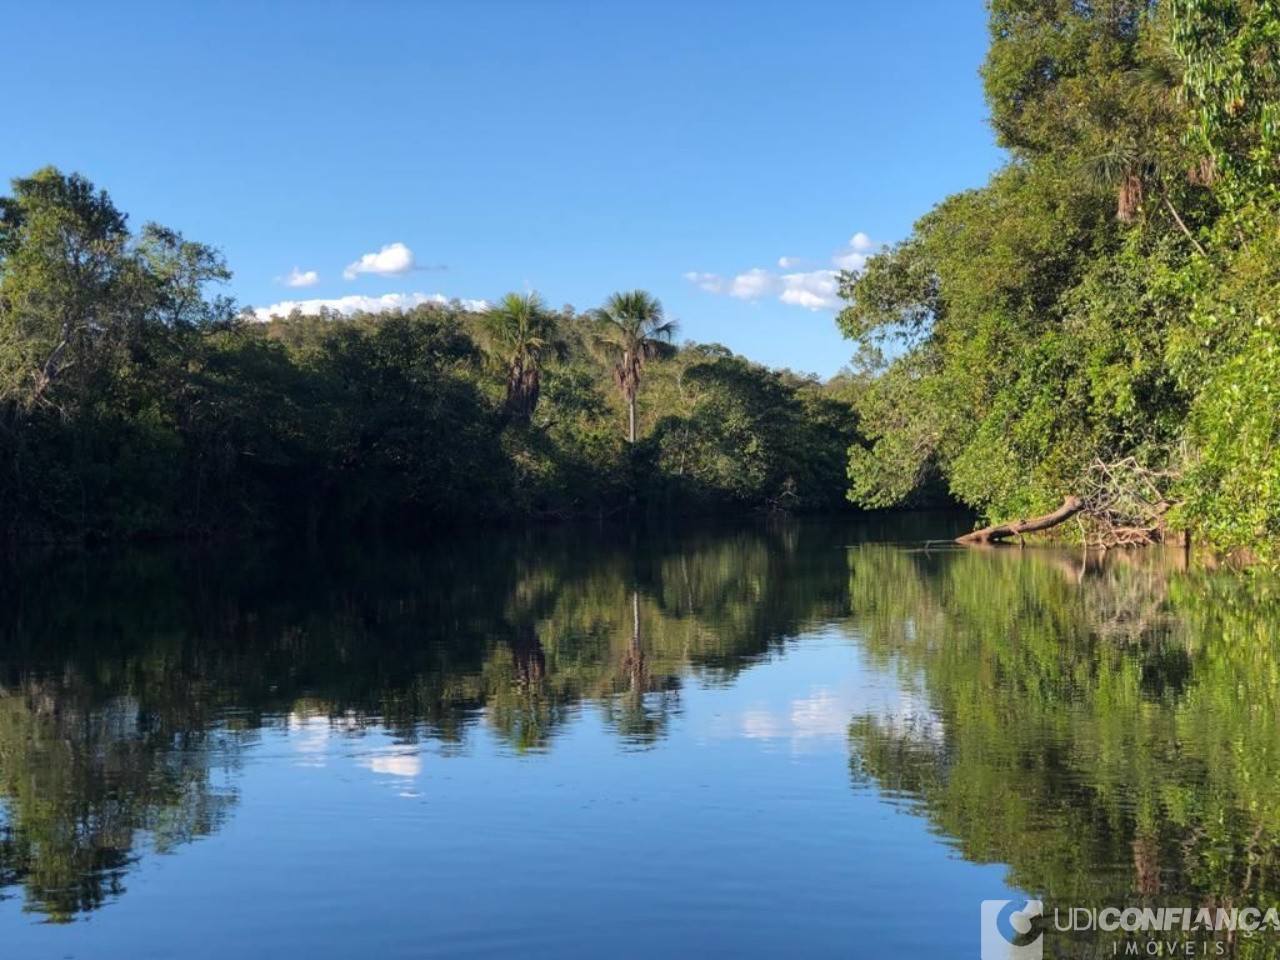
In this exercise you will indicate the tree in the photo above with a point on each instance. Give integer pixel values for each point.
(1035, 323)
(1230, 52)
(135, 402)
(1228, 349)
(734, 433)
(520, 334)
(66, 280)
(632, 331)
(100, 334)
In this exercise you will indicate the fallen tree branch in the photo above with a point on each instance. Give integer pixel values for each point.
(1124, 504)
(1001, 531)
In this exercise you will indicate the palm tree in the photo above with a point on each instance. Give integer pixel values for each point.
(1135, 165)
(632, 331)
(519, 333)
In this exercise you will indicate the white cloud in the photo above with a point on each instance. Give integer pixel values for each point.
(309, 735)
(814, 290)
(850, 260)
(301, 278)
(805, 722)
(403, 765)
(824, 715)
(359, 303)
(752, 285)
(854, 255)
(393, 260)
(712, 283)
(759, 723)
(811, 289)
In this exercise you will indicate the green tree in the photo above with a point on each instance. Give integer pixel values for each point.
(67, 283)
(521, 334)
(98, 329)
(632, 331)
(1230, 53)
(1110, 295)
(134, 401)
(1042, 324)
(735, 433)
(1228, 350)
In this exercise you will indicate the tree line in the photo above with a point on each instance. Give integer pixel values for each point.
(137, 401)
(1099, 321)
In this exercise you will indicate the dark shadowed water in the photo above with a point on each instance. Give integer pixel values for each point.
(798, 740)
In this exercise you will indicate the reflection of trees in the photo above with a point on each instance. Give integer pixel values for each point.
(640, 711)
(127, 682)
(621, 624)
(1106, 729)
(1109, 736)
(79, 783)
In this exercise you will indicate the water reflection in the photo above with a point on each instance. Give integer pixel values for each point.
(82, 778)
(132, 683)
(1105, 728)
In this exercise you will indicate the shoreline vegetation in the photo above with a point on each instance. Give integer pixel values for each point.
(135, 403)
(1091, 337)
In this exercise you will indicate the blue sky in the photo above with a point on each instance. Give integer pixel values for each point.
(723, 156)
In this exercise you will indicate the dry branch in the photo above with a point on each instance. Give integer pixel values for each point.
(1001, 531)
(1122, 506)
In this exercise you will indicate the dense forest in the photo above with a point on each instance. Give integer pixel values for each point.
(135, 401)
(1097, 326)
(1100, 320)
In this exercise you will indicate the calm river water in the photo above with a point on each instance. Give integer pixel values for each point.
(799, 740)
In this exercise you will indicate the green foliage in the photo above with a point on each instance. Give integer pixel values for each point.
(1228, 345)
(135, 402)
(519, 333)
(988, 390)
(1055, 73)
(1230, 349)
(730, 431)
(632, 329)
(1231, 53)
(1109, 294)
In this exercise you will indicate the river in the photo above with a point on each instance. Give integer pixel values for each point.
(792, 739)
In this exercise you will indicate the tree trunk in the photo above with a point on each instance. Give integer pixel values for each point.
(634, 660)
(1070, 507)
(631, 419)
